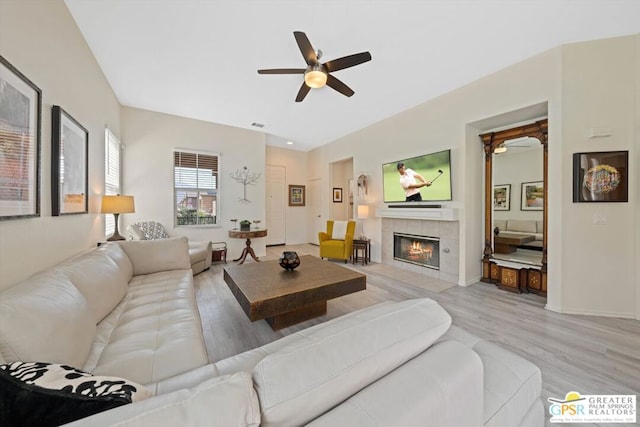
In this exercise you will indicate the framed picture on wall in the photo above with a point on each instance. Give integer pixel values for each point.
(296, 195)
(337, 195)
(532, 196)
(600, 176)
(502, 197)
(69, 160)
(20, 118)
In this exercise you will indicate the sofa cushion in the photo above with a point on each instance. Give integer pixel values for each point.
(501, 224)
(99, 280)
(521, 225)
(152, 256)
(327, 364)
(43, 394)
(154, 333)
(512, 384)
(223, 401)
(45, 317)
(439, 387)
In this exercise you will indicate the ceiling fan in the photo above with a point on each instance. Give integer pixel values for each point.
(524, 142)
(316, 75)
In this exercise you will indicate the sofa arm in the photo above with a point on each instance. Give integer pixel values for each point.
(440, 387)
(322, 236)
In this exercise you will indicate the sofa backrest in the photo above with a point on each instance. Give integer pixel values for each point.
(152, 256)
(117, 254)
(45, 318)
(99, 279)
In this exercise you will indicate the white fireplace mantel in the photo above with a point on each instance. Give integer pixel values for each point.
(433, 214)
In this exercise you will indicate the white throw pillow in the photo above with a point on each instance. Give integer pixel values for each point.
(339, 230)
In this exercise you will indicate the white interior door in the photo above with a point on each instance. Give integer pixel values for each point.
(316, 222)
(276, 205)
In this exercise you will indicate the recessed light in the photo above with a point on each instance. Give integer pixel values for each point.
(289, 143)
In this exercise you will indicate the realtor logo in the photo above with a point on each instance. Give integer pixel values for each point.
(576, 408)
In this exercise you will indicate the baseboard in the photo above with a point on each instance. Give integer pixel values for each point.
(583, 312)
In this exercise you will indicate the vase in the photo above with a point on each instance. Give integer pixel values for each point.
(289, 260)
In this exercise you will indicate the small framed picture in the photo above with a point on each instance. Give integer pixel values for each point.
(532, 196)
(601, 177)
(502, 197)
(296, 195)
(337, 195)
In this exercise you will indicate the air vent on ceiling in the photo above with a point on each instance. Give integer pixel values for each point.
(258, 125)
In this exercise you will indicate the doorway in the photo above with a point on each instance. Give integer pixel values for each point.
(276, 193)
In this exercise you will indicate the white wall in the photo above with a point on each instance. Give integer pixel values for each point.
(515, 167)
(599, 89)
(584, 85)
(295, 164)
(150, 138)
(42, 41)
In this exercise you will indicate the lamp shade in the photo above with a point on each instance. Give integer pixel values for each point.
(363, 212)
(117, 204)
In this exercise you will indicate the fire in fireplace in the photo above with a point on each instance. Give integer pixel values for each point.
(420, 250)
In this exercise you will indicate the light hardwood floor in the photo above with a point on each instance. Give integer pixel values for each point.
(587, 354)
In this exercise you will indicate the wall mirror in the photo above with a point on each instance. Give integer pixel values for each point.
(515, 249)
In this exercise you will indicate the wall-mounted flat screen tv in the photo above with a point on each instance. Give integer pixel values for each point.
(434, 167)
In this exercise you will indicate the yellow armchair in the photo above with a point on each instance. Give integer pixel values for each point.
(338, 246)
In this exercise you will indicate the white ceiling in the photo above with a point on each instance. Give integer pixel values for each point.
(198, 58)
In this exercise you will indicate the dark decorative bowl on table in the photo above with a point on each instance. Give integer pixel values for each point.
(289, 260)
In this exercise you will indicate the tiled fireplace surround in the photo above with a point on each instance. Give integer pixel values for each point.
(441, 223)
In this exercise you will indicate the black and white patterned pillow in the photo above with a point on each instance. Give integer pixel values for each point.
(152, 230)
(39, 393)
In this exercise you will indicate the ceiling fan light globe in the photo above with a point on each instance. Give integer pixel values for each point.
(315, 77)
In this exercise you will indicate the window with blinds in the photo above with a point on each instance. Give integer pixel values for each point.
(111, 174)
(195, 187)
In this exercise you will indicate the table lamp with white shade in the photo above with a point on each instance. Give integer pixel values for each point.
(363, 213)
(117, 205)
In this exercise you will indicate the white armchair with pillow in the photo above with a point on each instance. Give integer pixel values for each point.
(199, 252)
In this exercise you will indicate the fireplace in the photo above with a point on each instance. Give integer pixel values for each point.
(414, 249)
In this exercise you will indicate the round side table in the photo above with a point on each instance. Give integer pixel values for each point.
(248, 250)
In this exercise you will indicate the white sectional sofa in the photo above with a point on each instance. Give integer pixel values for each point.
(522, 227)
(128, 309)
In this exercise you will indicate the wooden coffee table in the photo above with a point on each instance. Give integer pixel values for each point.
(507, 243)
(267, 291)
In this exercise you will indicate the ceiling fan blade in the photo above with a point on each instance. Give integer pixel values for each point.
(347, 61)
(339, 86)
(282, 71)
(305, 47)
(304, 90)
